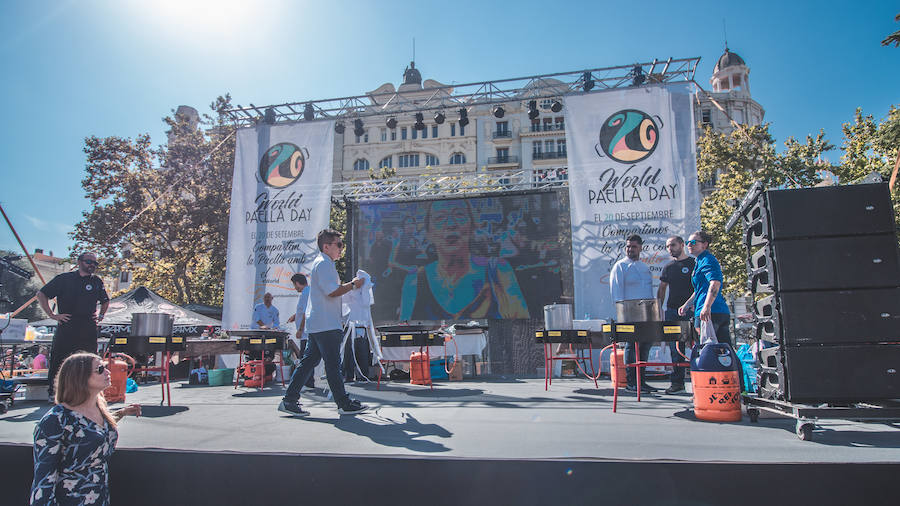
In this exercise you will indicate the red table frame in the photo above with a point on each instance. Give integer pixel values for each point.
(549, 358)
(638, 364)
(262, 383)
(427, 361)
(162, 369)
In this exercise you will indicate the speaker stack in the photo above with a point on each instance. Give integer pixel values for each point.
(824, 272)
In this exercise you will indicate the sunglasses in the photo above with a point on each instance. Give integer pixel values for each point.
(339, 244)
(90, 262)
(101, 368)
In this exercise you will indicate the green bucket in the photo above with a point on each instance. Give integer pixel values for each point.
(221, 377)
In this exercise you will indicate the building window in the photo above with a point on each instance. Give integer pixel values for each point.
(124, 277)
(535, 125)
(536, 148)
(425, 133)
(706, 116)
(383, 134)
(548, 146)
(385, 163)
(561, 147)
(431, 160)
(403, 133)
(462, 129)
(364, 138)
(736, 80)
(546, 103)
(394, 134)
(560, 123)
(502, 155)
(415, 133)
(457, 159)
(452, 129)
(434, 131)
(408, 160)
(361, 164)
(502, 127)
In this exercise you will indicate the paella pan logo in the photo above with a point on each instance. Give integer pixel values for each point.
(282, 164)
(629, 136)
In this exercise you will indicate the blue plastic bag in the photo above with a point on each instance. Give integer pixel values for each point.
(130, 386)
(749, 362)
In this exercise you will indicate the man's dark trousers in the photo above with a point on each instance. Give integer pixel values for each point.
(77, 334)
(322, 346)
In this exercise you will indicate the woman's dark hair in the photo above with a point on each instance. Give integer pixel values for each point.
(703, 236)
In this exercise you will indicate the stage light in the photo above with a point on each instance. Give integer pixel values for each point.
(439, 117)
(463, 117)
(391, 123)
(270, 116)
(588, 82)
(556, 106)
(358, 128)
(533, 112)
(639, 77)
(339, 127)
(420, 121)
(499, 111)
(309, 113)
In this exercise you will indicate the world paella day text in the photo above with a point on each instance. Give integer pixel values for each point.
(279, 208)
(631, 186)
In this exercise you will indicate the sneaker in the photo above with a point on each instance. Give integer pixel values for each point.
(293, 408)
(631, 388)
(352, 408)
(647, 388)
(675, 389)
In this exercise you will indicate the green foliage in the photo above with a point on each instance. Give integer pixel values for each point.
(871, 146)
(163, 213)
(738, 159)
(893, 38)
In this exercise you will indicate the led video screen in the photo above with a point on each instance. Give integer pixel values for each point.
(460, 259)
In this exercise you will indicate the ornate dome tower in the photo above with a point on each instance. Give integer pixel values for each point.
(731, 74)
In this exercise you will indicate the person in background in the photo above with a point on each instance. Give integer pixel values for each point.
(265, 315)
(40, 360)
(77, 294)
(707, 279)
(676, 279)
(630, 279)
(323, 319)
(299, 319)
(75, 438)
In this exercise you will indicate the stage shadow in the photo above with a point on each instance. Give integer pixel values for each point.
(250, 394)
(603, 392)
(445, 392)
(29, 411)
(149, 411)
(388, 432)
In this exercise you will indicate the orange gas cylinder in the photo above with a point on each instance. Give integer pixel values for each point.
(419, 369)
(120, 366)
(716, 381)
(253, 372)
(617, 373)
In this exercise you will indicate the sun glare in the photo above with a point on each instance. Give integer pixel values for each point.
(200, 17)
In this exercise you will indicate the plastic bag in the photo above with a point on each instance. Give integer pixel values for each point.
(707, 332)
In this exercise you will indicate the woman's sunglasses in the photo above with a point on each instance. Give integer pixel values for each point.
(691, 242)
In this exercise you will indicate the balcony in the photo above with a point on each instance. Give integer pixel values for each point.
(550, 155)
(547, 127)
(503, 160)
(502, 134)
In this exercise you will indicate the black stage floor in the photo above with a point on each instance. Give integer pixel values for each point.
(465, 438)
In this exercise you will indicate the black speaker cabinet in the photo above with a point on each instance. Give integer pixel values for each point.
(850, 373)
(836, 263)
(862, 209)
(839, 317)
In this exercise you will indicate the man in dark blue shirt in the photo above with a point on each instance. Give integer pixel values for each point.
(676, 279)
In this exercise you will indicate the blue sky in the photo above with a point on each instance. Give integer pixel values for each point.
(75, 69)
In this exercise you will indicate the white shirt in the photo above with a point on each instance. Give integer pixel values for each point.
(302, 303)
(629, 280)
(323, 312)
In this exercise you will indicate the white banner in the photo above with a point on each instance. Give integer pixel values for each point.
(280, 200)
(632, 170)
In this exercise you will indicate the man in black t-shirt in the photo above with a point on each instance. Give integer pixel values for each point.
(676, 277)
(77, 294)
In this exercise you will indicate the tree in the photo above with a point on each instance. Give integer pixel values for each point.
(737, 160)
(893, 38)
(163, 213)
(871, 146)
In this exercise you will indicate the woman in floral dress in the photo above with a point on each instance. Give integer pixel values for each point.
(75, 438)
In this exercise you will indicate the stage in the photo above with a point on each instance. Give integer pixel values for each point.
(507, 422)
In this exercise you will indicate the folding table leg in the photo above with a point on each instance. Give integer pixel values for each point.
(637, 368)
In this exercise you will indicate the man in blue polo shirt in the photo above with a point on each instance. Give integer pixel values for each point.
(265, 315)
(323, 321)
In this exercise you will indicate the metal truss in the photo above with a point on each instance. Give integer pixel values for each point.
(427, 186)
(486, 93)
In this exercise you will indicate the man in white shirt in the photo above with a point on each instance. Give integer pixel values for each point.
(323, 321)
(299, 318)
(265, 315)
(630, 279)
